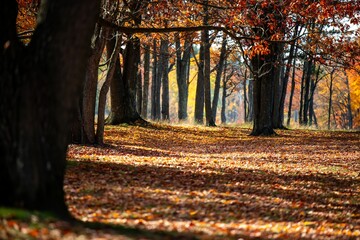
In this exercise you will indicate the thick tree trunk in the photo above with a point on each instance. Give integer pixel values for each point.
(145, 98)
(182, 75)
(263, 71)
(219, 72)
(131, 62)
(39, 89)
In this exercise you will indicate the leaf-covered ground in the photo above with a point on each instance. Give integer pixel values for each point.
(219, 183)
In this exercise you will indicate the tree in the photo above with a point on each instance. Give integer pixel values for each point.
(38, 94)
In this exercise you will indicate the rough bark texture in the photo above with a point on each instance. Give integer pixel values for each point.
(263, 93)
(39, 87)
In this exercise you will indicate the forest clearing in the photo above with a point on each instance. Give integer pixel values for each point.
(182, 182)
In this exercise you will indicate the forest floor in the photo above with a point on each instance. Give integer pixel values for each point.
(182, 182)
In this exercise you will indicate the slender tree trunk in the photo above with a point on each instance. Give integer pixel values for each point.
(139, 87)
(39, 89)
(90, 85)
(145, 98)
(104, 90)
(348, 104)
(330, 98)
(292, 89)
(165, 112)
(219, 72)
(223, 98)
(116, 89)
(155, 104)
(245, 99)
(251, 101)
(199, 99)
(306, 99)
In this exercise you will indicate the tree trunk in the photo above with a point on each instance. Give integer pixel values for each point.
(116, 89)
(90, 85)
(292, 89)
(199, 98)
(348, 104)
(250, 117)
(219, 72)
(164, 49)
(263, 71)
(277, 83)
(139, 88)
(330, 98)
(131, 62)
(223, 98)
(39, 89)
(182, 75)
(145, 98)
(104, 90)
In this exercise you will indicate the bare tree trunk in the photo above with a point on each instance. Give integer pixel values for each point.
(348, 104)
(182, 75)
(199, 99)
(164, 49)
(39, 89)
(292, 89)
(155, 102)
(103, 91)
(330, 98)
(145, 98)
(90, 85)
(223, 98)
(219, 72)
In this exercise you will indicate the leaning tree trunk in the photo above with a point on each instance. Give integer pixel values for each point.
(104, 90)
(90, 85)
(39, 88)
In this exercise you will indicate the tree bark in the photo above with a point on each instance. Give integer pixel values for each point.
(263, 71)
(219, 72)
(199, 98)
(223, 97)
(39, 88)
(145, 99)
(104, 90)
(292, 88)
(164, 49)
(90, 85)
(182, 75)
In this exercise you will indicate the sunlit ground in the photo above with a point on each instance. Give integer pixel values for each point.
(220, 183)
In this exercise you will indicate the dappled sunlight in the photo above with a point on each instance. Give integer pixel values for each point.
(219, 183)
